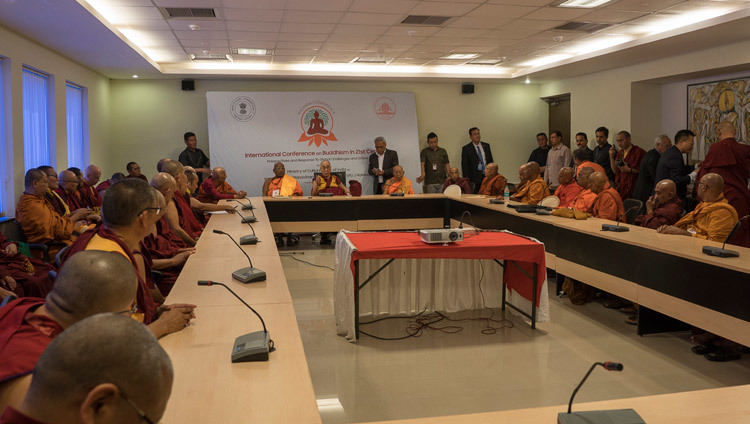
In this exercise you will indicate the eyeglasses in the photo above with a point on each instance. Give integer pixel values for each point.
(158, 209)
(133, 309)
(142, 415)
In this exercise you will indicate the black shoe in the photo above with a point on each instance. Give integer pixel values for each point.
(279, 241)
(722, 355)
(325, 240)
(292, 240)
(704, 349)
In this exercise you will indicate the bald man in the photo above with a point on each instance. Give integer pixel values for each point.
(731, 160)
(663, 208)
(398, 183)
(281, 184)
(644, 186)
(104, 185)
(168, 226)
(607, 204)
(67, 190)
(190, 211)
(568, 189)
(712, 219)
(91, 282)
(585, 197)
(327, 182)
(216, 187)
(533, 189)
(493, 183)
(160, 164)
(455, 178)
(88, 194)
(58, 204)
(103, 369)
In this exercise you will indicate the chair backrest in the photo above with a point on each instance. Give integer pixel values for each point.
(20, 235)
(340, 174)
(355, 188)
(631, 203)
(550, 201)
(453, 190)
(59, 256)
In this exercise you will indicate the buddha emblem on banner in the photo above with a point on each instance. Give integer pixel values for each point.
(317, 126)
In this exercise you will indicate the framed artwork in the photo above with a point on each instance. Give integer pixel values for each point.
(712, 102)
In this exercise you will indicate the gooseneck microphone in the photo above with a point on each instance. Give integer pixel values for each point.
(247, 219)
(248, 274)
(252, 346)
(616, 228)
(724, 253)
(248, 239)
(245, 207)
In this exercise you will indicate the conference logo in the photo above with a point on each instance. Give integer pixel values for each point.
(385, 108)
(317, 126)
(243, 109)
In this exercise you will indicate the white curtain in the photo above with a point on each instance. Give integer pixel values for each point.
(2, 140)
(77, 147)
(35, 120)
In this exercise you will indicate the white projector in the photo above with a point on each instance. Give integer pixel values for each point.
(449, 235)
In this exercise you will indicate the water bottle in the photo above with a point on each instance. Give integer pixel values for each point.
(506, 194)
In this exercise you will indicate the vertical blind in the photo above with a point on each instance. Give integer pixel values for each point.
(35, 120)
(77, 145)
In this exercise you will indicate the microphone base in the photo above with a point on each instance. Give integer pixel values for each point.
(722, 253)
(497, 201)
(614, 228)
(396, 194)
(247, 207)
(249, 275)
(249, 220)
(251, 347)
(249, 239)
(614, 416)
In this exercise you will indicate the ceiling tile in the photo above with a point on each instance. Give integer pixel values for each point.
(611, 16)
(297, 45)
(293, 52)
(200, 35)
(286, 36)
(255, 4)
(461, 32)
(447, 41)
(437, 8)
(407, 62)
(479, 22)
(473, 49)
(521, 2)
(393, 39)
(253, 36)
(152, 35)
(201, 50)
(350, 38)
(417, 31)
(371, 19)
(253, 15)
(511, 34)
(204, 43)
(148, 25)
(383, 6)
(491, 42)
(172, 58)
(292, 59)
(130, 3)
(501, 11)
(307, 17)
(184, 25)
(389, 49)
(341, 47)
(557, 13)
(307, 28)
(161, 43)
(188, 3)
(431, 48)
(320, 6)
(534, 44)
(539, 25)
(253, 26)
(644, 5)
(129, 14)
(360, 29)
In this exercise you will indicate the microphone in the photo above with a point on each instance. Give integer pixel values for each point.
(247, 274)
(247, 219)
(724, 253)
(599, 417)
(616, 228)
(248, 239)
(251, 346)
(245, 207)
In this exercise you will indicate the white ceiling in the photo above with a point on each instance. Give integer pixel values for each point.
(320, 37)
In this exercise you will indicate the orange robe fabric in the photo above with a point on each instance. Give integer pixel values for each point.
(608, 205)
(588, 164)
(90, 197)
(403, 186)
(626, 180)
(711, 220)
(57, 202)
(567, 193)
(41, 223)
(494, 186)
(584, 200)
(286, 185)
(211, 192)
(532, 192)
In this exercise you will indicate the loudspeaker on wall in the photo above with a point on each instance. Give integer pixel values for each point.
(467, 88)
(188, 85)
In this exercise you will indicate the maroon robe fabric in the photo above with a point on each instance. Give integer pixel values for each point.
(731, 160)
(188, 221)
(141, 177)
(21, 342)
(32, 275)
(626, 180)
(337, 190)
(56, 202)
(666, 214)
(89, 196)
(71, 199)
(12, 416)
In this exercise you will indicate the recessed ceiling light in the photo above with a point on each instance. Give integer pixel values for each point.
(528, 81)
(371, 59)
(460, 56)
(583, 3)
(484, 62)
(194, 27)
(135, 76)
(257, 52)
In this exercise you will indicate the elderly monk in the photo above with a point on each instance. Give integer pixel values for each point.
(327, 182)
(533, 189)
(398, 183)
(625, 163)
(104, 185)
(67, 190)
(78, 174)
(585, 198)
(54, 199)
(88, 194)
(106, 368)
(190, 211)
(134, 171)
(607, 204)
(281, 184)
(731, 160)
(130, 209)
(712, 219)
(454, 178)
(663, 208)
(582, 158)
(216, 187)
(161, 163)
(89, 283)
(493, 183)
(568, 189)
(40, 223)
(21, 275)
(169, 224)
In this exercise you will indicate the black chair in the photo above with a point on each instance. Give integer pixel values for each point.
(40, 247)
(340, 174)
(630, 215)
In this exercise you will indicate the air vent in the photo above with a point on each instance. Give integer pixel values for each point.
(425, 20)
(188, 12)
(373, 59)
(589, 27)
(211, 57)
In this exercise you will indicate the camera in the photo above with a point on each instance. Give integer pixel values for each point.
(620, 162)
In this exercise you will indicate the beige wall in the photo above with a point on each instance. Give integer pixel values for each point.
(22, 51)
(150, 116)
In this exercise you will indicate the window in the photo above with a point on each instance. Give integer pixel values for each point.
(37, 120)
(3, 168)
(76, 118)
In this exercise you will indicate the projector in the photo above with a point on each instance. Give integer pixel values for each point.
(442, 235)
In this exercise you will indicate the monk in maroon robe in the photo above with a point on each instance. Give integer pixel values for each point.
(87, 193)
(21, 275)
(663, 208)
(626, 164)
(68, 190)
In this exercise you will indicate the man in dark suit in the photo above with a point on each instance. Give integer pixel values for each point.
(644, 186)
(381, 164)
(672, 166)
(474, 158)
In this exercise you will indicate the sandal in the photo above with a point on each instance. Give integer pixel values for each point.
(632, 320)
(704, 349)
(615, 303)
(723, 355)
(279, 241)
(292, 240)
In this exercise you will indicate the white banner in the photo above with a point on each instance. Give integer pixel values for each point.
(249, 132)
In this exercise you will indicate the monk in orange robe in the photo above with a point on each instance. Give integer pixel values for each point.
(607, 204)
(493, 183)
(281, 184)
(585, 197)
(397, 184)
(216, 187)
(90, 283)
(534, 189)
(568, 189)
(625, 164)
(88, 194)
(663, 208)
(731, 160)
(58, 204)
(582, 158)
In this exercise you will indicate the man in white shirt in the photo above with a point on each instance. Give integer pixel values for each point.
(381, 164)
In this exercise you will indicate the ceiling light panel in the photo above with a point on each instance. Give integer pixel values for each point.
(590, 4)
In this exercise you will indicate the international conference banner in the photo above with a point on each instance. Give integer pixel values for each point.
(250, 131)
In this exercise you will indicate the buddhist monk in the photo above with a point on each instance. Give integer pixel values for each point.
(455, 178)
(585, 197)
(106, 368)
(79, 176)
(104, 185)
(534, 189)
(327, 182)
(21, 275)
(58, 204)
(134, 171)
(167, 185)
(625, 163)
(731, 160)
(493, 183)
(67, 190)
(216, 187)
(712, 219)
(161, 163)
(663, 208)
(89, 283)
(130, 209)
(582, 158)
(607, 204)
(568, 189)
(398, 183)
(281, 184)
(89, 196)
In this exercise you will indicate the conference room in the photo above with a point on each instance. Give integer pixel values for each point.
(362, 321)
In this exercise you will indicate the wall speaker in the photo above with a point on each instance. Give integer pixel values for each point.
(467, 88)
(188, 85)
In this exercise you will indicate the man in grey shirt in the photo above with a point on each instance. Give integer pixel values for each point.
(435, 165)
(558, 157)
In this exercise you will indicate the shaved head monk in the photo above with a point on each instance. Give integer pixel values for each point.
(533, 189)
(67, 190)
(585, 198)
(104, 369)
(89, 196)
(607, 203)
(712, 219)
(663, 208)
(398, 183)
(568, 189)
(91, 282)
(216, 187)
(493, 183)
(130, 209)
(626, 164)
(169, 224)
(454, 177)
(281, 184)
(53, 183)
(104, 185)
(160, 164)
